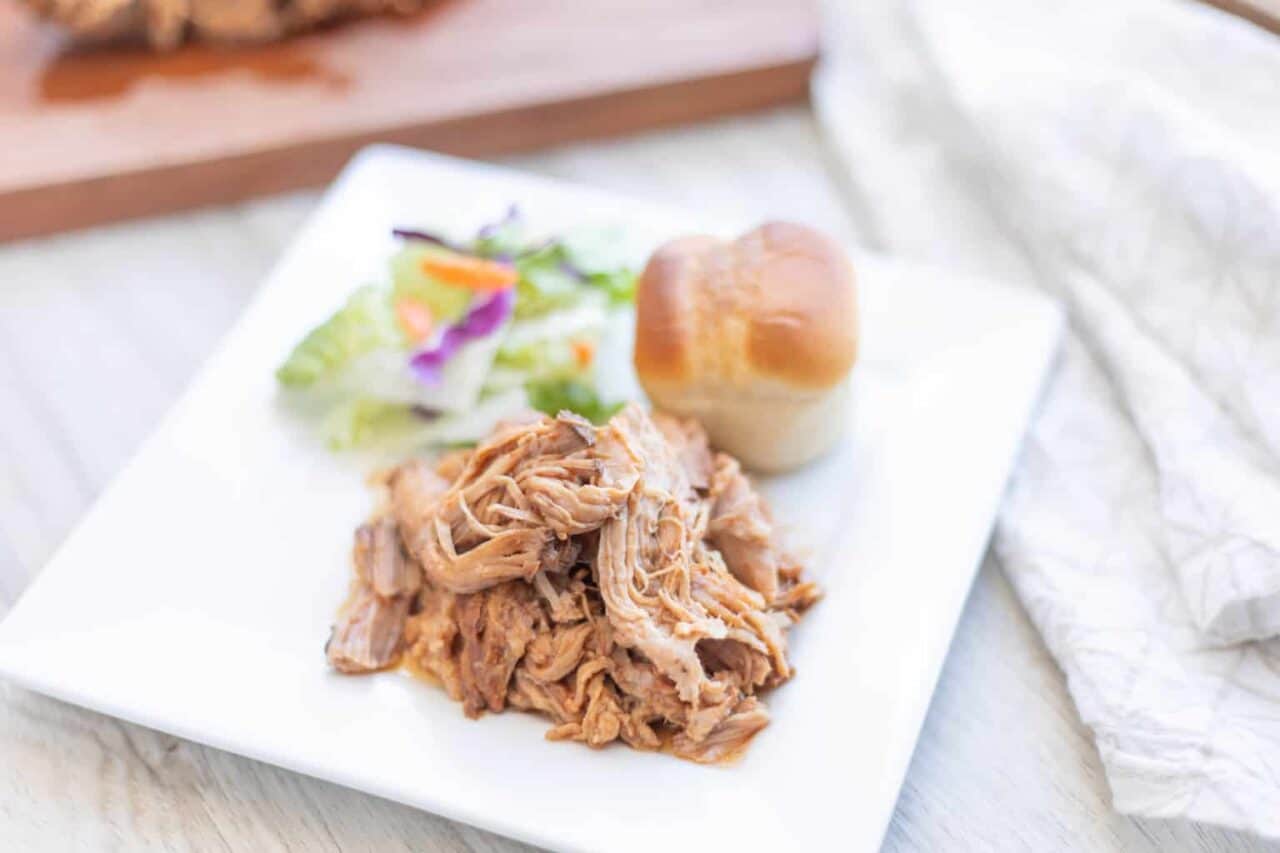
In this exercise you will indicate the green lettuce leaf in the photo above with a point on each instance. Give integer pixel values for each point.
(365, 323)
(593, 253)
(619, 285)
(545, 284)
(543, 360)
(554, 396)
(365, 423)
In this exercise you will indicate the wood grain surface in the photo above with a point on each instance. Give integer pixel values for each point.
(96, 135)
(100, 331)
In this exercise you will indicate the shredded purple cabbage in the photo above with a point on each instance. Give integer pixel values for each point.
(486, 231)
(425, 237)
(512, 215)
(569, 269)
(481, 321)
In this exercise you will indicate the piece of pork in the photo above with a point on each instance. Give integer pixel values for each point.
(431, 636)
(368, 632)
(452, 463)
(601, 719)
(663, 590)
(648, 687)
(370, 627)
(516, 494)
(750, 668)
(740, 528)
(381, 562)
(511, 554)
(728, 740)
(743, 610)
(564, 596)
(554, 654)
(496, 626)
(415, 490)
(550, 698)
(639, 619)
(688, 441)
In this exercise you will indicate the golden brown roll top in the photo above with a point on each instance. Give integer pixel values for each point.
(754, 337)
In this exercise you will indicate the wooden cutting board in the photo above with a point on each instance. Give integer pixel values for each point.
(95, 135)
(1264, 13)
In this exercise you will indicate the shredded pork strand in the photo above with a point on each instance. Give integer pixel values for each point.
(622, 580)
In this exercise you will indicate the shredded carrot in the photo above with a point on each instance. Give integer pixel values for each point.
(473, 273)
(584, 352)
(415, 318)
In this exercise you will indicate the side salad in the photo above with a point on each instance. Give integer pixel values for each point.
(461, 335)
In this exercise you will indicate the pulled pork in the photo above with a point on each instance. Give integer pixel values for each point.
(167, 23)
(622, 580)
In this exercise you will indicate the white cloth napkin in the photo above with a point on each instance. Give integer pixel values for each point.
(1125, 157)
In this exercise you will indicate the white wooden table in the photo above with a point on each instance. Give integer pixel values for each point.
(100, 331)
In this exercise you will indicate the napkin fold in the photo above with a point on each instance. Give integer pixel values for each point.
(1125, 158)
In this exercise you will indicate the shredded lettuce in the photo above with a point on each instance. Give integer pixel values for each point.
(592, 254)
(477, 422)
(365, 423)
(619, 285)
(537, 362)
(364, 324)
(592, 250)
(545, 283)
(376, 425)
(505, 238)
(550, 280)
(484, 355)
(541, 358)
(385, 374)
(555, 396)
(482, 321)
(448, 303)
(546, 348)
(587, 318)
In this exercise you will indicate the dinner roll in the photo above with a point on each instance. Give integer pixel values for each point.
(755, 338)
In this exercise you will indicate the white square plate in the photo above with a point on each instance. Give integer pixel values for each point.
(196, 596)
